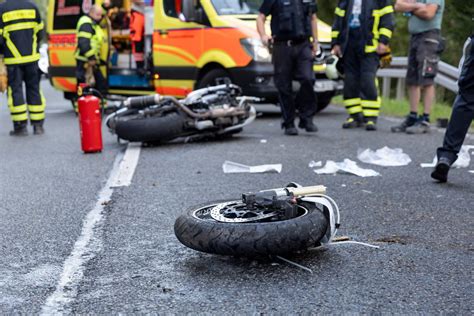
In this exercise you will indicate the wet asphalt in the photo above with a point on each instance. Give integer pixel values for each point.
(47, 186)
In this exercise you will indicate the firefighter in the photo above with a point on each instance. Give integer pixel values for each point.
(360, 34)
(90, 38)
(293, 24)
(21, 30)
(137, 34)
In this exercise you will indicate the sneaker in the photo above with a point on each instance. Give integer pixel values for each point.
(354, 121)
(409, 121)
(19, 131)
(291, 130)
(38, 129)
(309, 126)
(371, 125)
(419, 127)
(441, 170)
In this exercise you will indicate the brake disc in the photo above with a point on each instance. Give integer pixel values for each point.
(238, 212)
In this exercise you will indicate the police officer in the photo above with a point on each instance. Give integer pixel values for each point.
(293, 24)
(89, 44)
(461, 117)
(360, 33)
(21, 30)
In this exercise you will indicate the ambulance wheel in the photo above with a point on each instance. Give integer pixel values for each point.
(150, 129)
(212, 78)
(198, 230)
(323, 100)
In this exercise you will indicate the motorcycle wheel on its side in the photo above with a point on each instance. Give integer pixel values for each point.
(245, 232)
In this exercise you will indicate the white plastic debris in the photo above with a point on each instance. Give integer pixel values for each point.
(314, 164)
(234, 167)
(347, 166)
(471, 171)
(263, 141)
(385, 156)
(463, 161)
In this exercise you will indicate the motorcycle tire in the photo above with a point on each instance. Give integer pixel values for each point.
(150, 129)
(201, 232)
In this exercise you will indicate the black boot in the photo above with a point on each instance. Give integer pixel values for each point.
(290, 129)
(19, 129)
(308, 125)
(354, 121)
(441, 170)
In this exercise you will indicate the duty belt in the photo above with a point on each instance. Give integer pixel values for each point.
(291, 42)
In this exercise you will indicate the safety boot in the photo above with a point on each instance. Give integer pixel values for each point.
(38, 129)
(291, 130)
(19, 129)
(308, 125)
(354, 121)
(371, 125)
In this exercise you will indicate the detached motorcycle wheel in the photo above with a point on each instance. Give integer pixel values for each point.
(150, 129)
(198, 230)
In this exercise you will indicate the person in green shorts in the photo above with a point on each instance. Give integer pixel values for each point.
(426, 45)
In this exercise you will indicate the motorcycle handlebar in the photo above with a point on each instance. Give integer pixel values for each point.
(301, 191)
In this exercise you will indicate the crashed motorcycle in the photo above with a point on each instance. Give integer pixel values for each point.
(269, 222)
(209, 112)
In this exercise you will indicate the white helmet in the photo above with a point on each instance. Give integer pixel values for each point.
(331, 67)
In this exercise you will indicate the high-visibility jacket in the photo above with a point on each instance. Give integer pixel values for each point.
(21, 29)
(137, 26)
(90, 37)
(377, 26)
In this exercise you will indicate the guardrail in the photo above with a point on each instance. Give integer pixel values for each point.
(447, 77)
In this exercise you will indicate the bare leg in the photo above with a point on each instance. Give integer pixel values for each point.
(429, 93)
(414, 93)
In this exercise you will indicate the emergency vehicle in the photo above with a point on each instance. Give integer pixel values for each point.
(189, 44)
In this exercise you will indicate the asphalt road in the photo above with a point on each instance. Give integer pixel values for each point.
(47, 188)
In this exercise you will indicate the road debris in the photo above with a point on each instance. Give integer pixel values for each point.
(314, 164)
(347, 166)
(234, 167)
(294, 264)
(385, 156)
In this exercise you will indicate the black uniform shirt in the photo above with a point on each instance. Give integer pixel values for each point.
(270, 7)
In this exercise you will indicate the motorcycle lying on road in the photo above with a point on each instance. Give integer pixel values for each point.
(269, 222)
(215, 111)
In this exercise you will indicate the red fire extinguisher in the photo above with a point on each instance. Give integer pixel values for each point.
(90, 120)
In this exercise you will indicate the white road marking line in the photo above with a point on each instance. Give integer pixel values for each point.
(89, 243)
(128, 165)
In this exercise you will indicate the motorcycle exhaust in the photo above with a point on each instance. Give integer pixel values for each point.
(142, 102)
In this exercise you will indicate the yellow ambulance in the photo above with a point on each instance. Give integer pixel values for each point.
(212, 42)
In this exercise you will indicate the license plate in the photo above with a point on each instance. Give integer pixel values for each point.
(324, 85)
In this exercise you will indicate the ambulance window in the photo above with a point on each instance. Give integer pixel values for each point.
(170, 8)
(68, 12)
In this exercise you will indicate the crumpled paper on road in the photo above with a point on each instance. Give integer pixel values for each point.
(463, 161)
(234, 167)
(385, 156)
(347, 166)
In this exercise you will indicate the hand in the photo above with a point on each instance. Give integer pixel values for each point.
(381, 49)
(315, 48)
(266, 39)
(336, 50)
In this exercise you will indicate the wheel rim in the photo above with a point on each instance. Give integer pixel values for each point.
(238, 212)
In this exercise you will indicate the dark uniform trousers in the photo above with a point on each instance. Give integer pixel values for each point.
(294, 61)
(360, 82)
(31, 75)
(463, 110)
